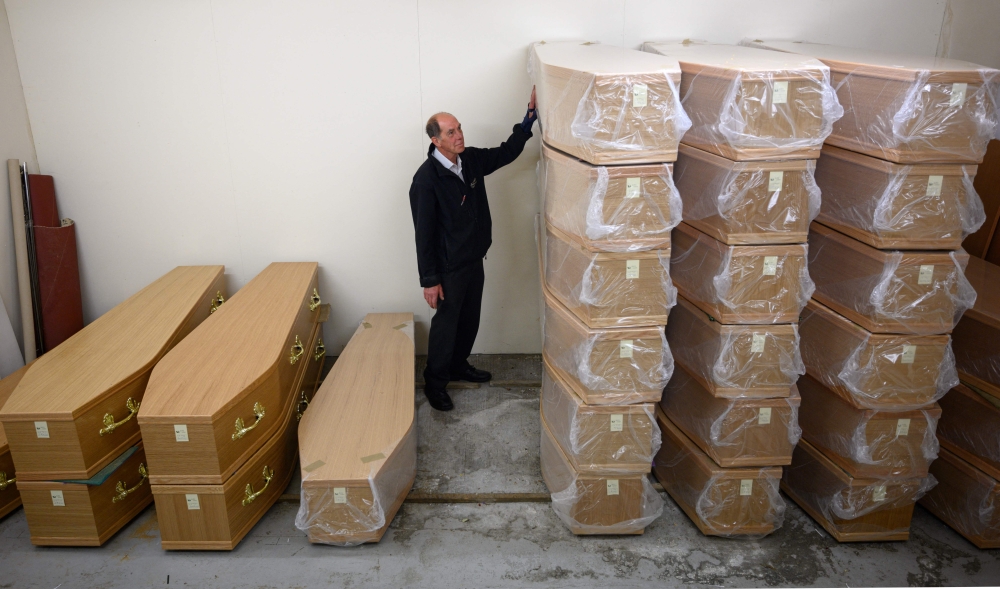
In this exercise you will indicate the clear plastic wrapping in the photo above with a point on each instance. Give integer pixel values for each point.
(864, 442)
(741, 501)
(975, 338)
(966, 499)
(895, 206)
(735, 361)
(747, 203)
(606, 104)
(906, 108)
(970, 427)
(748, 103)
(608, 503)
(733, 432)
(599, 438)
(621, 208)
(875, 371)
(762, 284)
(889, 291)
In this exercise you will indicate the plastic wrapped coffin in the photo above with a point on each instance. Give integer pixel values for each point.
(970, 428)
(965, 498)
(975, 338)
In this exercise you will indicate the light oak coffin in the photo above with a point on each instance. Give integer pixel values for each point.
(746, 203)
(596, 503)
(608, 105)
(761, 284)
(867, 443)
(610, 208)
(735, 361)
(888, 291)
(606, 289)
(733, 432)
(965, 498)
(358, 439)
(975, 338)
(753, 104)
(970, 428)
(894, 206)
(84, 394)
(741, 501)
(599, 438)
(874, 370)
(87, 514)
(907, 108)
(851, 509)
(10, 499)
(219, 395)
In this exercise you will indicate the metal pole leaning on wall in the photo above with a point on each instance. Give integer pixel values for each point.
(21, 255)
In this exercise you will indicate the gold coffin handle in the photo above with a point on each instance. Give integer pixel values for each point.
(241, 430)
(217, 301)
(299, 409)
(297, 351)
(5, 482)
(121, 491)
(111, 425)
(320, 350)
(250, 495)
(314, 300)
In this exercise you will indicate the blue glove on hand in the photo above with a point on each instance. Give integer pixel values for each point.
(529, 119)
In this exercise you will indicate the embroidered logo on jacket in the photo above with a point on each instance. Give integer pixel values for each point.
(474, 180)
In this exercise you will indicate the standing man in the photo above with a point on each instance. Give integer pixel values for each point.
(451, 217)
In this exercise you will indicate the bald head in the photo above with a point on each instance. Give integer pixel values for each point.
(446, 134)
(434, 123)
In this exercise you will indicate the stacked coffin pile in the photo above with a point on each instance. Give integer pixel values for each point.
(968, 467)
(78, 457)
(604, 243)
(729, 415)
(896, 175)
(219, 418)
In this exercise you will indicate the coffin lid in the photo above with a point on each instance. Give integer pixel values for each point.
(985, 279)
(598, 333)
(694, 56)
(662, 250)
(910, 257)
(7, 386)
(113, 350)
(968, 469)
(697, 235)
(886, 167)
(812, 386)
(797, 165)
(706, 464)
(792, 400)
(232, 351)
(595, 58)
(624, 171)
(847, 479)
(566, 390)
(845, 324)
(364, 407)
(786, 329)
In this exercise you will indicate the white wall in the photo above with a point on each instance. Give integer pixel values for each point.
(249, 131)
(969, 32)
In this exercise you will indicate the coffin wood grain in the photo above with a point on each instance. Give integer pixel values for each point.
(96, 371)
(10, 499)
(975, 338)
(959, 497)
(970, 428)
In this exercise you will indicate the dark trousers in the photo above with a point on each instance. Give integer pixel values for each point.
(455, 325)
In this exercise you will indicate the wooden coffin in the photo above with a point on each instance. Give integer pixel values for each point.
(604, 289)
(616, 208)
(894, 206)
(867, 443)
(220, 394)
(87, 512)
(738, 501)
(72, 413)
(358, 440)
(733, 432)
(760, 284)
(752, 104)
(851, 509)
(10, 499)
(598, 438)
(604, 366)
(875, 370)
(746, 203)
(907, 108)
(965, 498)
(975, 338)
(608, 105)
(596, 504)
(970, 428)
(734, 361)
(888, 291)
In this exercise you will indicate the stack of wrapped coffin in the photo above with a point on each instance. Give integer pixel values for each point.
(219, 419)
(10, 499)
(358, 440)
(968, 468)
(79, 460)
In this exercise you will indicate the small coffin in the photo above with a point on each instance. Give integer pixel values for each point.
(965, 499)
(975, 338)
(10, 499)
(72, 413)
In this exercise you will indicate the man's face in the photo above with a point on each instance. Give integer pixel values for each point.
(451, 139)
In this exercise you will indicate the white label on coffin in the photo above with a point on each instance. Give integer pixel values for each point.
(57, 498)
(631, 269)
(632, 186)
(909, 353)
(926, 275)
(340, 494)
(192, 501)
(625, 348)
(902, 427)
(770, 265)
(639, 94)
(757, 345)
(780, 93)
(775, 180)
(878, 494)
(612, 487)
(617, 422)
(958, 91)
(746, 486)
(42, 429)
(934, 184)
(181, 433)
(764, 416)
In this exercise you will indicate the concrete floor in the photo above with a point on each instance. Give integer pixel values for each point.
(480, 457)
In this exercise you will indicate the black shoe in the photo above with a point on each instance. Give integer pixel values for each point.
(439, 399)
(471, 374)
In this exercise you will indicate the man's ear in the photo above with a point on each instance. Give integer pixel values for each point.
(436, 141)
